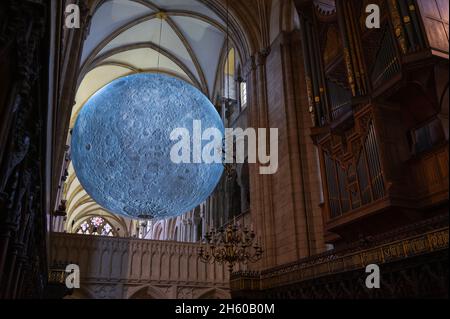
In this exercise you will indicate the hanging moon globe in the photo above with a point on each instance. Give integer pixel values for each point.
(121, 147)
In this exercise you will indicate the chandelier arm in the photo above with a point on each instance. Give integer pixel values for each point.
(231, 245)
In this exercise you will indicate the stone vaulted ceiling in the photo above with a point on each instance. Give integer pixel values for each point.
(183, 38)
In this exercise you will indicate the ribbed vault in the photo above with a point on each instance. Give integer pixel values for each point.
(182, 38)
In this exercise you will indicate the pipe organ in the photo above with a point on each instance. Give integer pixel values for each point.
(369, 91)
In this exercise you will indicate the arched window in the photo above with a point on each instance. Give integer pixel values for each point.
(235, 88)
(242, 87)
(96, 226)
(229, 78)
(243, 93)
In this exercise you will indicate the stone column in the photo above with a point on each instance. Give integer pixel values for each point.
(284, 206)
(260, 185)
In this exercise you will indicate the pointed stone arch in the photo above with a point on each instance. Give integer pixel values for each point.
(213, 293)
(146, 292)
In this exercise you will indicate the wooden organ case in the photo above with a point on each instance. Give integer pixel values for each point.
(378, 100)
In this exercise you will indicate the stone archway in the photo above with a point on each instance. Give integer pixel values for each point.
(148, 292)
(214, 293)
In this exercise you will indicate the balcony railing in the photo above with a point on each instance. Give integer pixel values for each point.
(129, 260)
(381, 251)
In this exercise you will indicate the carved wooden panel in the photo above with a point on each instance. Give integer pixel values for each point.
(352, 169)
(435, 19)
(415, 264)
(6, 74)
(333, 45)
(429, 178)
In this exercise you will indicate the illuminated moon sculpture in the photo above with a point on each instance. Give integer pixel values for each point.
(121, 147)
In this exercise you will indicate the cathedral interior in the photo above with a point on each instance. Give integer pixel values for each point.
(362, 128)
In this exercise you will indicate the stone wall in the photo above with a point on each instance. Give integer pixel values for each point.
(124, 268)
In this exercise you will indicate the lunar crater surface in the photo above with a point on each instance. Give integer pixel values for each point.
(121, 147)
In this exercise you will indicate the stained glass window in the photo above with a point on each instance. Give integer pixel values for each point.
(96, 226)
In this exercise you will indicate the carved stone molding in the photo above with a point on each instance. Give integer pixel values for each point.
(138, 265)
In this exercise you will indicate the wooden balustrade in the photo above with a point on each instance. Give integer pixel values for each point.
(334, 263)
(429, 176)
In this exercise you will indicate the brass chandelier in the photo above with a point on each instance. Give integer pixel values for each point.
(231, 245)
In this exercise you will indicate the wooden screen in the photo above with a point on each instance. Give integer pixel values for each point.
(435, 20)
(352, 186)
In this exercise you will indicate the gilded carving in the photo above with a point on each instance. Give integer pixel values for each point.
(350, 76)
(335, 263)
(397, 24)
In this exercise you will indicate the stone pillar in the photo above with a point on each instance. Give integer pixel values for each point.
(284, 206)
(260, 186)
